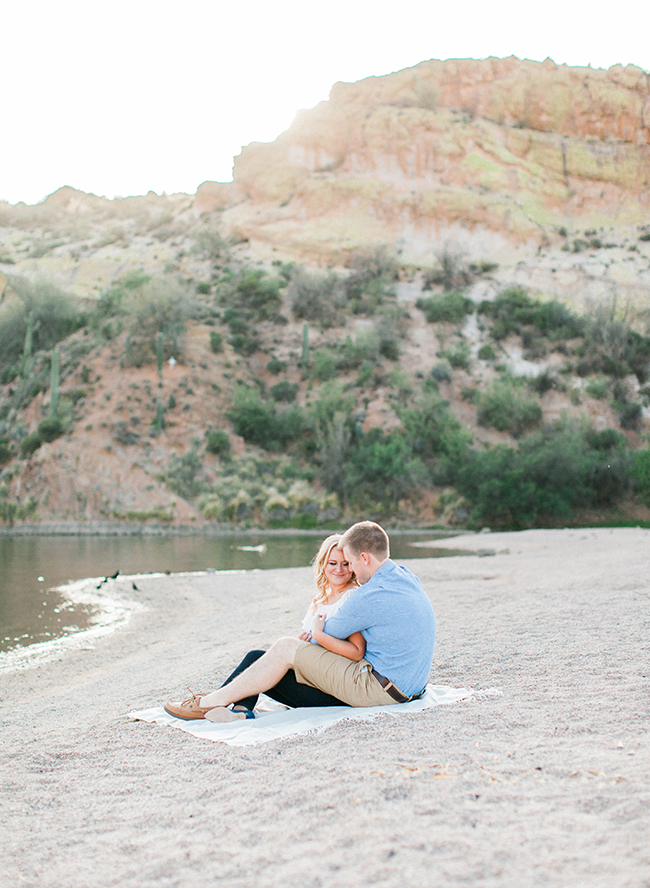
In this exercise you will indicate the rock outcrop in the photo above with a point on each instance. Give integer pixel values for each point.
(487, 150)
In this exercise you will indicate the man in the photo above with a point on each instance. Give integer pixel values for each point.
(392, 612)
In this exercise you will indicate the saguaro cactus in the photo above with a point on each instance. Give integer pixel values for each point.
(54, 383)
(305, 348)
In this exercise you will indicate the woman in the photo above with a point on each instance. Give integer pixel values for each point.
(335, 583)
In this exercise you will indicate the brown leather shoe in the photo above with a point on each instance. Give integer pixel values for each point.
(187, 709)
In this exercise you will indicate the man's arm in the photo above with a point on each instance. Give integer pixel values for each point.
(353, 647)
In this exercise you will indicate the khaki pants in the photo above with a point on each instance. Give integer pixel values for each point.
(344, 679)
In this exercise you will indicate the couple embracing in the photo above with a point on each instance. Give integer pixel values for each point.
(367, 639)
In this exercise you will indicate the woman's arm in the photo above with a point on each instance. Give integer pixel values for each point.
(353, 647)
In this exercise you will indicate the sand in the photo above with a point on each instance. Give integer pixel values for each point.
(547, 784)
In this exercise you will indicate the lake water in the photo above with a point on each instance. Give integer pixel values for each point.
(31, 566)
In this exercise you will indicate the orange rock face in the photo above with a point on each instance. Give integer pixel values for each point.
(501, 145)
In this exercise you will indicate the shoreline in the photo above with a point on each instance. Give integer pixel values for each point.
(544, 785)
(109, 529)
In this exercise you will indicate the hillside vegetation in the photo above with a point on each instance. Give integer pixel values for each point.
(279, 394)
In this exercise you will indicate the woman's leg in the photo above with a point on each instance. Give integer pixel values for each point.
(251, 657)
(292, 693)
(287, 691)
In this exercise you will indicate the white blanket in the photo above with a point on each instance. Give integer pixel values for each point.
(275, 725)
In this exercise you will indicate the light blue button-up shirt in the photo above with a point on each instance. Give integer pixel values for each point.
(395, 617)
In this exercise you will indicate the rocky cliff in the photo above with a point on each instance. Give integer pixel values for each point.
(489, 153)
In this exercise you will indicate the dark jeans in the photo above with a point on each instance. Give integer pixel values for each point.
(288, 690)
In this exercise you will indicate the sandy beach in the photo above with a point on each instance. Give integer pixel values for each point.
(545, 784)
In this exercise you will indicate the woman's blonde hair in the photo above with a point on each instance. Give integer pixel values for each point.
(322, 585)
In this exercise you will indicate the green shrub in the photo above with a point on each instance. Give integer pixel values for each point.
(184, 475)
(513, 311)
(450, 308)
(542, 383)
(505, 408)
(315, 297)
(54, 317)
(365, 347)
(216, 342)
(640, 473)
(452, 273)
(276, 366)
(284, 391)
(550, 474)
(203, 288)
(323, 365)
(435, 435)
(51, 428)
(459, 357)
(30, 444)
(610, 346)
(487, 353)
(371, 280)
(383, 470)
(244, 345)
(258, 293)
(218, 443)
(260, 422)
(210, 244)
(598, 387)
(630, 415)
(6, 452)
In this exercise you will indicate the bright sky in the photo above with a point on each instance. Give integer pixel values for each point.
(129, 96)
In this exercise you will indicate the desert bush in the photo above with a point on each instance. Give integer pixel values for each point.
(506, 408)
(30, 444)
(323, 365)
(373, 271)
(260, 422)
(54, 316)
(315, 297)
(630, 415)
(184, 475)
(640, 472)
(216, 342)
(487, 353)
(514, 311)
(364, 347)
(257, 293)
(218, 443)
(435, 435)
(543, 382)
(284, 391)
(440, 373)
(459, 357)
(449, 308)
(6, 451)
(450, 273)
(598, 387)
(382, 469)
(550, 474)
(50, 428)
(209, 244)
(276, 366)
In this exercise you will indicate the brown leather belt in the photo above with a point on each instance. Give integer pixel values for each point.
(391, 690)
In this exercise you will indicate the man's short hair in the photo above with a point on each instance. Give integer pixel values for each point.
(366, 536)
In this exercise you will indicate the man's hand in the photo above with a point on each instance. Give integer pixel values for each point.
(305, 636)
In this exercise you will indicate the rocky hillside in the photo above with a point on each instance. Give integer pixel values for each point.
(447, 259)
